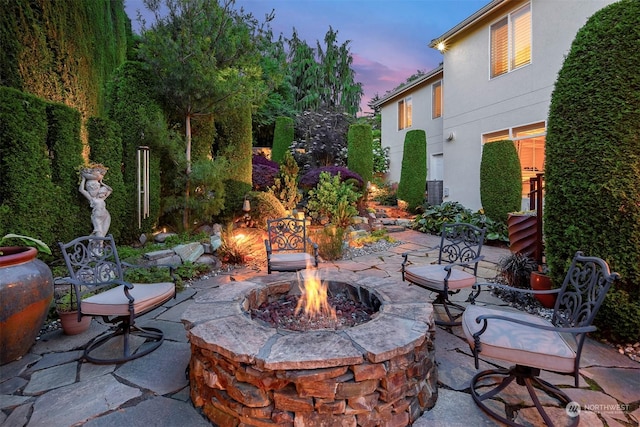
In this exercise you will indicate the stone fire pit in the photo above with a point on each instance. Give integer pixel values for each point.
(378, 373)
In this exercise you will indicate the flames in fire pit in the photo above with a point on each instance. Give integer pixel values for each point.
(320, 305)
(314, 302)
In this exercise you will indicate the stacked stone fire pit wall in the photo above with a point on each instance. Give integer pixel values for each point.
(245, 374)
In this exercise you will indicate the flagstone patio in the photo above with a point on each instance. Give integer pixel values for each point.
(51, 387)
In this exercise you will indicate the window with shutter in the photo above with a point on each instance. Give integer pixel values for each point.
(405, 113)
(436, 107)
(499, 48)
(511, 42)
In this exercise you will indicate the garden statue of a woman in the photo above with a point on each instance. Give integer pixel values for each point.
(96, 192)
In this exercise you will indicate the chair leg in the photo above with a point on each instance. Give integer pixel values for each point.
(443, 300)
(153, 339)
(524, 376)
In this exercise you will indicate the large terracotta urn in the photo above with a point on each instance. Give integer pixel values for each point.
(26, 291)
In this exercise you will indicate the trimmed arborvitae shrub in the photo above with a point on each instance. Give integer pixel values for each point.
(282, 138)
(235, 143)
(29, 202)
(500, 180)
(592, 164)
(413, 175)
(106, 148)
(360, 150)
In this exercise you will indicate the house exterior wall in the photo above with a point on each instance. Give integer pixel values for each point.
(474, 103)
(394, 138)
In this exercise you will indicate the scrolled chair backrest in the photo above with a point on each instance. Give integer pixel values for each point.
(583, 291)
(460, 242)
(92, 260)
(287, 234)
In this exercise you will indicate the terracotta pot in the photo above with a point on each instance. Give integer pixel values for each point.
(542, 282)
(70, 324)
(26, 291)
(523, 234)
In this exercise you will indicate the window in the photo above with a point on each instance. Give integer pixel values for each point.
(529, 141)
(436, 104)
(511, 42)
(405, 113)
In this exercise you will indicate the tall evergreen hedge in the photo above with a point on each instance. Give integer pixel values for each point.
(131, 104)
(29, 202)
(360, 150)
(106, 148)
(413, 175)
(592, 165)
(63, 140)
(500, 180)
(282, 138)
(63, 51)
(235, 142)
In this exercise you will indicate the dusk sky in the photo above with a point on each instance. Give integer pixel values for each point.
(388, 38)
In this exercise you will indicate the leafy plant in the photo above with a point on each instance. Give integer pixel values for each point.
(516, 270)
(431, 220)
(263, 173)
(330, 242)
(285, 187)
(312, 178)
(373, 237)
(380, 155)
(28, 241)
(67, 301)
(334, 199)
(240, 245)
(321, 135)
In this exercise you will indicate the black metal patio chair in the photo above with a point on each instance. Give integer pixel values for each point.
(288, 245)
(95, 269)
(533, 343)
(455, 269)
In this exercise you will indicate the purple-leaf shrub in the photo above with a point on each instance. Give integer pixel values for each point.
(310, 179)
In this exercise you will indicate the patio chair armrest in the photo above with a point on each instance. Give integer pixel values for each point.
(421, 254)
(572, 330)
(524, 291)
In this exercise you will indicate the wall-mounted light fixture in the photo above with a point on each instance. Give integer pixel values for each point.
(441, 46)
(451, 137)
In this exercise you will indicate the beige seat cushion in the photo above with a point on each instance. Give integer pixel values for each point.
(520, 344)
(291, 261)
(432, 276)
(115, 303)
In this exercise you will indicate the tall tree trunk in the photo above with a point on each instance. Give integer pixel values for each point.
(185, 213)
